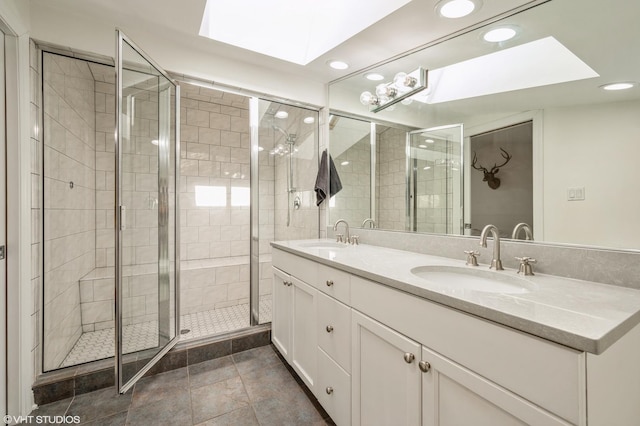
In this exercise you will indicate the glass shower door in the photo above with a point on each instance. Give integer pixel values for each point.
(146, 220)
(435, 180)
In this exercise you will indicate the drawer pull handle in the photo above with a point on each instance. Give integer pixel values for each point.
(329, 390)
(424, 366)
(329, 283)
(329, 328)
(409, 357)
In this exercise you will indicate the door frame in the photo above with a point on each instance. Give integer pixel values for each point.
(119, 212)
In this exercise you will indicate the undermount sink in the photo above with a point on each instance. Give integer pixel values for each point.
(462, 278)
(328, 245)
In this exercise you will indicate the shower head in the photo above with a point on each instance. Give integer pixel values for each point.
(290, 138)
(279, 129)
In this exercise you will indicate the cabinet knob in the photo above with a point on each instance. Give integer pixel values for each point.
(424, 366)
(329, 283)
(329, 390)
(409, 357)
(329, 328)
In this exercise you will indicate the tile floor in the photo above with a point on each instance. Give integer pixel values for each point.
(247, 388)
(95, 345)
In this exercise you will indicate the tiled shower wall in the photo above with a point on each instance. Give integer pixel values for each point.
(434, 187)
(69, 202)
(353, 203)
(390, 178)
(215, 153)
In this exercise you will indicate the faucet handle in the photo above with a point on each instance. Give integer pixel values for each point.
(472, 257)
(525, 265)
(355, 240)
(339, 238)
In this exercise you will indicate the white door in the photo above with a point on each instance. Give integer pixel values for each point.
(281, 320)
(3, 237)
(305, 343)
(385, 377)
(453, 395)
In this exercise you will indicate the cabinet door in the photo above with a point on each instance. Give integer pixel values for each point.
(281, 317)
(453, 395)
(385, 385)
(303, 324)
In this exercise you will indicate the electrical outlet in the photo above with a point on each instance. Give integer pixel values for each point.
(575, 193)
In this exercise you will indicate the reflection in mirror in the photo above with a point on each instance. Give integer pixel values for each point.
(581, 164)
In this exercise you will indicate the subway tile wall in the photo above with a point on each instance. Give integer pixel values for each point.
(353, 203)
(390, 178)
(69, 199)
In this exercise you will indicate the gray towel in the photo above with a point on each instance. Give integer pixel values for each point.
(322, 182)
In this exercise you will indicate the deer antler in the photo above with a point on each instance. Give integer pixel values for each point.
(475, 160)
(506, 156)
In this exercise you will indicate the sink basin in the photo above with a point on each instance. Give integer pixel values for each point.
(327, 245)
(458, 278)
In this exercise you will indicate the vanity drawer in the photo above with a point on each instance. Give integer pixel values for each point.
(335, 283)
(334, 330)
(549, 375)
(334, 389)
(299, 267)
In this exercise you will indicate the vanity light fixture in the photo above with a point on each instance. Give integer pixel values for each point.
(338, 65)
(500, 34)
(457, 8)
(623, 85)
(374, 76)
(400, 89)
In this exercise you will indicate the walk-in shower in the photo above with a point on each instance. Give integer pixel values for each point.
(228, 177)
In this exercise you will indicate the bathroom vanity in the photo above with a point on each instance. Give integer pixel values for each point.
(384, 336)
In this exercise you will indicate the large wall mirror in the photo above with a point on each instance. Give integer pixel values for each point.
(512, 131)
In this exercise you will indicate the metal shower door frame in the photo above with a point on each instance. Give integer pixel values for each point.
(163, 189)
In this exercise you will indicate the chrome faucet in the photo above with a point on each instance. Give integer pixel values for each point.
(527, 231)
(369, 220)
(496, 263)
(347, 236)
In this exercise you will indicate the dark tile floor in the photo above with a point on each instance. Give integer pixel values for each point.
(253, 387)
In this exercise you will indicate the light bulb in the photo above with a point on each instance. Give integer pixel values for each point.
(366, 98)
(386, 90)
(399, 79)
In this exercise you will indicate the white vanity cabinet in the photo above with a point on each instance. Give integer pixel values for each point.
(293, 329)
(374, 355)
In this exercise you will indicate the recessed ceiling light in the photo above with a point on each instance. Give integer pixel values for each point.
(498, 35)
(338, 65)
(457, 8)
(282, 114)
(429, 140)
(344, 163)
(309, 120)
(619, 86)
(154, 142)
(260, 148)
(422, 146)
(374, 76)
(426, 167)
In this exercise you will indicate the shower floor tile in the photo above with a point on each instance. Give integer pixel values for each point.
(95, 345)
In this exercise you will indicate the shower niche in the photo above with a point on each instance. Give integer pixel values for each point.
(230, 188)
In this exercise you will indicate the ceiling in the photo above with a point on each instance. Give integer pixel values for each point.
(411, 26)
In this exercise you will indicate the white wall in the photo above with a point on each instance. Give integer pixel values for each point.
(596, 147)
(90, 34)
(14, 22)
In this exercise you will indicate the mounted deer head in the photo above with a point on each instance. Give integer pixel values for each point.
(490, 176)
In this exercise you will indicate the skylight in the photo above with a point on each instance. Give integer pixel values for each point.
(293, 30)
(538, 63)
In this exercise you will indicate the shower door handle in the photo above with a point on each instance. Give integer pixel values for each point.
(123, 218)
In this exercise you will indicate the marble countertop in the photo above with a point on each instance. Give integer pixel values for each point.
(583, 315)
